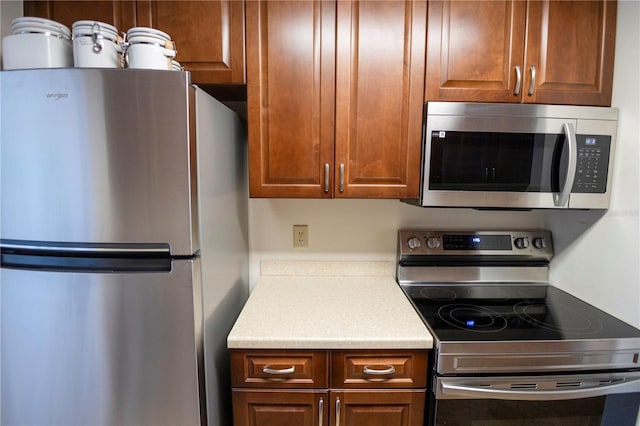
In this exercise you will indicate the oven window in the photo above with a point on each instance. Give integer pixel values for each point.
(610, 410)
(486, 161)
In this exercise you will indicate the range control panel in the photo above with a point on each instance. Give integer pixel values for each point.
(534, 243)
(592, 165)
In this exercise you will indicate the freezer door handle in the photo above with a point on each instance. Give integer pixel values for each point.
(90, 257)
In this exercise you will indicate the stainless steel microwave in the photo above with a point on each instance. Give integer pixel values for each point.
(517, 156)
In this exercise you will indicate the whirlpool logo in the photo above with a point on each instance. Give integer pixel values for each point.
(57, 95)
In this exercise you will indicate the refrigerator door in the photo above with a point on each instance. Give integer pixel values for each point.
(98, 156)
(101, 348)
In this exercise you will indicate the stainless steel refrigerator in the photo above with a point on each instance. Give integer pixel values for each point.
(124, 248)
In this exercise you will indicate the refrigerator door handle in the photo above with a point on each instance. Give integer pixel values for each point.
(75, 257)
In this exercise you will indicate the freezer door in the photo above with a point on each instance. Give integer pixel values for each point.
(101, 348)
(98, 156)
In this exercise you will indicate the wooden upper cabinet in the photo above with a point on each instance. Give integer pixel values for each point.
(209, 36)
(335, 104)
(571, 44)
(290, 97)
(474, 48)
(119, 13)
(379, 98)
(558, 52)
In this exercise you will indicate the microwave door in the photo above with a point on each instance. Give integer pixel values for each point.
(517, 163)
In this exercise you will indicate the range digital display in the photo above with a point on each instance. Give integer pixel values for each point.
(476, 242)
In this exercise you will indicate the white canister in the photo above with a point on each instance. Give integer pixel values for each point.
(35, 50)
(31, 24)
(96, 45)
(149, 48)
(37, 43)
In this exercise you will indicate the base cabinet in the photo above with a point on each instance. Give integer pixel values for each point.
(321, 388)
(279, 407)
(377, 407)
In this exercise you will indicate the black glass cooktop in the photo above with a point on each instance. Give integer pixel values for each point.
(512, 312)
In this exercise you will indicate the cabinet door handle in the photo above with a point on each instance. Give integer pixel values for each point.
(516, 91)
(326, 177)
(376, 372)
(532, 86)
(321, 409)
(267, 370)
(341, 177)
(337, 411)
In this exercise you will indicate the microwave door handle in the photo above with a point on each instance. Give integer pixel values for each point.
(561, 199)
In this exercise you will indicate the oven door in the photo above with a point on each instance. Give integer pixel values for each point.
(563, 400)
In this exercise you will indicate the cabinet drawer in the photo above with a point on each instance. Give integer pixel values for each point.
(279, 369)
(374, 369)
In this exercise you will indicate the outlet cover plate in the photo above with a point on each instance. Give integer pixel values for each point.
(300, 236)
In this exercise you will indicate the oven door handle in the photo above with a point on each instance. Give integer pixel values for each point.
(560, 199)
(450, 391)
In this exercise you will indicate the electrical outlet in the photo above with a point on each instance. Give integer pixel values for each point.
(300, 236)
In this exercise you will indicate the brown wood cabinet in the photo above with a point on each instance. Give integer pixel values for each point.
(334, 98)
(557, 52)
(209, 34)
(121, 14)
(357, 388)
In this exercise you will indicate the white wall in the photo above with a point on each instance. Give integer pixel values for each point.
(356, 229)
(366, 229)
(598, 256)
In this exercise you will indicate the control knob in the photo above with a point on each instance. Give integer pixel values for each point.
(433, 243)
(540, 243)
(413, 243)
(522, 242)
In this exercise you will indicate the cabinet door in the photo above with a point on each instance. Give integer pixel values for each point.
(279, 408)
(571, 45)
(209, 36)
(290, 97)
(473, 50)
(120, 13)
(378, 408)
(379, 86)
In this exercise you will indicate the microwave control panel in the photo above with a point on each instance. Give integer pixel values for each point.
(592, 166)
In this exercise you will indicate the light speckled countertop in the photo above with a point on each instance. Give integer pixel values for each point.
(328, 305)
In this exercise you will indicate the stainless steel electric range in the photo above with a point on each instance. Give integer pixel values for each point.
(509, 348)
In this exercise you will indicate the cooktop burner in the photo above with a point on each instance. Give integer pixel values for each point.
(573, 321)
(543, 312)
(474, 318)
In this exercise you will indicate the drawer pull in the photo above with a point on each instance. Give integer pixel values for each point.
(375, 372)
(321, 410)
(267, 370)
